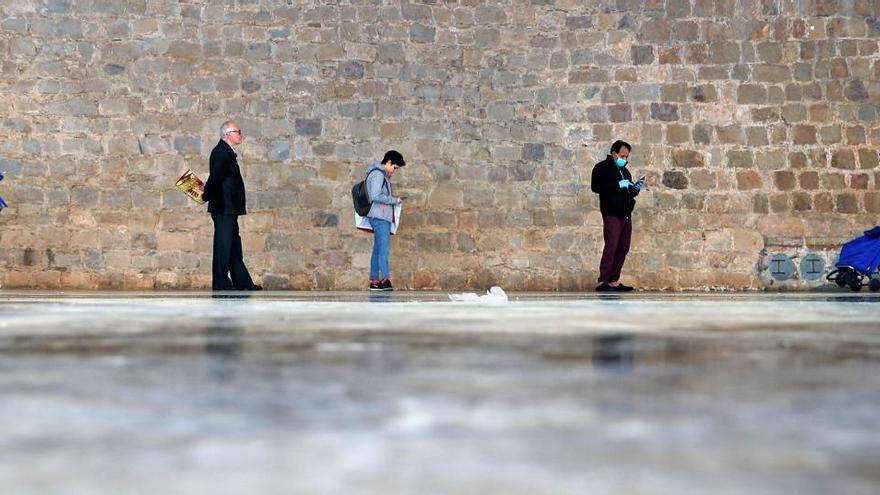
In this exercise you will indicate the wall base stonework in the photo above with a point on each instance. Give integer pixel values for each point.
(756, 122)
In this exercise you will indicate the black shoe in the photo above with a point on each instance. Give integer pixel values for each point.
(604, 287)
(622, 288)
(250, 287)
(376, 286)
(386, 285)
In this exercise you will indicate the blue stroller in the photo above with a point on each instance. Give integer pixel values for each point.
(2, 203)
(859, 260)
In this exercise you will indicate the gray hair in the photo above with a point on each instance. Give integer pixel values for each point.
(224, 128)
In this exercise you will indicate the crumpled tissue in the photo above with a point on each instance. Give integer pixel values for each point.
(493, 295)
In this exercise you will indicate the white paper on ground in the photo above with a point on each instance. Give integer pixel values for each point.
(495, 294)
(363, 223)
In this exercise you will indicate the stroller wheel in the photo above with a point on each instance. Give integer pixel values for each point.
(840, 276)
(854, 281)
(874, 284)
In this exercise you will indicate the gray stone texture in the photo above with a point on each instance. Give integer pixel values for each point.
(755, 122)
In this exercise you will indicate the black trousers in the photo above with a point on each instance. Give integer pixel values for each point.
(617, 232)
(228, 256)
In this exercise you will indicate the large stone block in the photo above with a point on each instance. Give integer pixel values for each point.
(843, 158)
(751, 94)
(308, 127)
(740, 159)
(620, 113)
(415, 12)
(868, 158)
(804, 134)
(533, 152)
(677, 134)
(748, 180)
(279, 151)
(872, 202)
(730, 134)
(785, 180)
(674, 179)
(687, 159)
(772, 73)
(678, 8)
(642, 54)
(188, 145)
(420, 33)
(724, 52)
(847, 203)
(664, 112)
(445, 195)
(351, 69)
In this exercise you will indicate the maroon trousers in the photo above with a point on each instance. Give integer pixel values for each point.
(617, 232)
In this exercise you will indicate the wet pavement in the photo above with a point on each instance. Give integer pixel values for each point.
(327, 393)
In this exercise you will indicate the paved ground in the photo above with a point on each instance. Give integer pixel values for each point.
(185, 393)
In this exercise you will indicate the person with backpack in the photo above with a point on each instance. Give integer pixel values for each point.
(617, 191)
(381, 216)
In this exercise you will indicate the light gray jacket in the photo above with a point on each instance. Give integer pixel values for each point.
(379, 189)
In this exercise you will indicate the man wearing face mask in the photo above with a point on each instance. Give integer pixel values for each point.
(613, 183)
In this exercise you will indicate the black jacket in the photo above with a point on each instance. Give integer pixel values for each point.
(614, 201)
(224, 190)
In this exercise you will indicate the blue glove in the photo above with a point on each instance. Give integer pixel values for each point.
(624, 184)
(640, 185)
(3, 204)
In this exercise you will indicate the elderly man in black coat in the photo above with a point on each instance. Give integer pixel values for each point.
(225, 195)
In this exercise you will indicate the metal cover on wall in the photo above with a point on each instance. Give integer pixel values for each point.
(781, 267)
(812, 267)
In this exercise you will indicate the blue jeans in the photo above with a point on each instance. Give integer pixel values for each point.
(381, 249)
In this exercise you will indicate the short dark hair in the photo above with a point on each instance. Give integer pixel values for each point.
(395, 158)
(615, 148)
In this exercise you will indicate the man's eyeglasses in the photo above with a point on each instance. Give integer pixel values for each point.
(231, 132)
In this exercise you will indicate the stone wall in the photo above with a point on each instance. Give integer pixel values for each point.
(756, 122)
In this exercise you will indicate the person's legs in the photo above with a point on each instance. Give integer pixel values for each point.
(382, 232)
(374, 258)
(223, 232)
(611, 228)
(622, 250)
(241, 279)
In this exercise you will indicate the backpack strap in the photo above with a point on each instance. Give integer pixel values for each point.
(367, 182)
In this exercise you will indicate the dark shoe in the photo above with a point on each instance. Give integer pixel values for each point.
(251, 287)
(376, 286)
(604, 287)
(622, 288)
(386, 285)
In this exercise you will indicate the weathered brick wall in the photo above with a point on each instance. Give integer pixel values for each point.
(756, 122)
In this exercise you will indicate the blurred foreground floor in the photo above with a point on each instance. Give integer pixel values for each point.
(408, 393)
